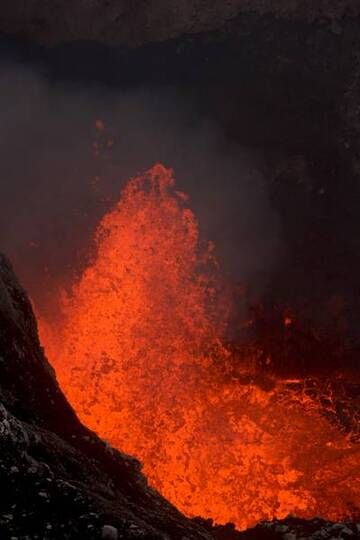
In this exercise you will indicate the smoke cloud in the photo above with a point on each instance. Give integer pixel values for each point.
(67, 150)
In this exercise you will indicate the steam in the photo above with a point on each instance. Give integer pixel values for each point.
(68, 149)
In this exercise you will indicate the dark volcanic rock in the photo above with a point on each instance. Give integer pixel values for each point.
(134, 23)
(291, 529)
(58, 479)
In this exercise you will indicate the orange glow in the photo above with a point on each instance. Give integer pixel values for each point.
(140, 355)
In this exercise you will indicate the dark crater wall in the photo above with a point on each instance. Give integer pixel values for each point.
(135, 23)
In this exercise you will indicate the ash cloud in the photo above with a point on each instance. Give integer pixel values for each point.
(60, 172)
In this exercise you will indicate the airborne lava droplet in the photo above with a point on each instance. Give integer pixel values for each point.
(140, 355)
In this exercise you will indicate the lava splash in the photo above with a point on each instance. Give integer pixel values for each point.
(140, 353)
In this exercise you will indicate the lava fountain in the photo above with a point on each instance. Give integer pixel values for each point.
(140, 353)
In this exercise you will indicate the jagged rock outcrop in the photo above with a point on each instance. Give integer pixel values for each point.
(57, 478)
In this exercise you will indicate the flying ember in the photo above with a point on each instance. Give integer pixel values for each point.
(141, 355)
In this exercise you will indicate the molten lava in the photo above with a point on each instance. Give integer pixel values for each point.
(140, 355)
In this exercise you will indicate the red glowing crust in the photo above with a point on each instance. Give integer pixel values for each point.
(140, 356)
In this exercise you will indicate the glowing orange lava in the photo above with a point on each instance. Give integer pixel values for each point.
(140, 356)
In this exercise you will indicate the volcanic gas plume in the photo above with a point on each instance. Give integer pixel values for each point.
(140, 353)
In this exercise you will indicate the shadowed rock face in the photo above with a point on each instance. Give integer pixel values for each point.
(135, 23)
(58, 480)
